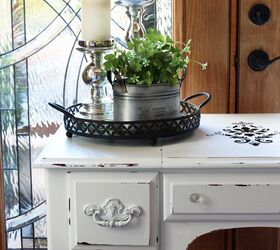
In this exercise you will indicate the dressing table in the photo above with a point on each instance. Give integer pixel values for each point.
(105, 194)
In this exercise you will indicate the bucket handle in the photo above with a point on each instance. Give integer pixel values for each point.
(119, 80)
(184, 72)
(60, 109)
(208, 98)
(122, 84)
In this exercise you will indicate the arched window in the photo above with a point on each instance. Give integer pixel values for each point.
(39, 63)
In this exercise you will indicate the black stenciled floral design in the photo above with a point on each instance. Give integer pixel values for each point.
(245, 132)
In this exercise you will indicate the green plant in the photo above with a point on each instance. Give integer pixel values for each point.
(153, 59)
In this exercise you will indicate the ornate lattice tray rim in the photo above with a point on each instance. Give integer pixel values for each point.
(150, 129)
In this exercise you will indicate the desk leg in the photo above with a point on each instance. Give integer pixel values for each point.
(57, 210)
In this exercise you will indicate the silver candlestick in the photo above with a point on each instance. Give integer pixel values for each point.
(135, 10)
(100, 104)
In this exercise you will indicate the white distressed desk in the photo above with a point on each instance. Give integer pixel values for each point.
(130, 195)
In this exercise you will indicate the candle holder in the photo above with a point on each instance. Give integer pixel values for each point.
(100, 104)
(135, 10)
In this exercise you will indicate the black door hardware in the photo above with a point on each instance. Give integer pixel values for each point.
(258, 60)
(259, 14)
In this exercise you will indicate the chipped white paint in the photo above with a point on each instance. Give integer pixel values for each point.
(80, 152)
(132, 189)
(185, 187)
(199, 196)
(207, 148)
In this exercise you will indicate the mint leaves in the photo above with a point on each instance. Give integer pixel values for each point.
(153, 59)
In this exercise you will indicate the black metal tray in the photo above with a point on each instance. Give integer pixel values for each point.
(187, 122)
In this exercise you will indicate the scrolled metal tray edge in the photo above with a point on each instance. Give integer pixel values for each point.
(187, 122)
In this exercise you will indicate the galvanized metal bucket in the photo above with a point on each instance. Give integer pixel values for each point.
(141, 102)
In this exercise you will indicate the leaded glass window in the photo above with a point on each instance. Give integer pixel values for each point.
(39, 64)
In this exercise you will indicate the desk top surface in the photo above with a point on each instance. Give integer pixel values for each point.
(239, 140)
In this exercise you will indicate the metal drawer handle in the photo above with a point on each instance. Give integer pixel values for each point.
(112, 214)
(258, 60)
(195, 198)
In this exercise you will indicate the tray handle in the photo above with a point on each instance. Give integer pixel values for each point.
(207, 95)
(60, 109)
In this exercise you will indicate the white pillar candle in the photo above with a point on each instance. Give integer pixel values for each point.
(96, 20)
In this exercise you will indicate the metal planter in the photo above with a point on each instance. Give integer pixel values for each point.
(140, 102)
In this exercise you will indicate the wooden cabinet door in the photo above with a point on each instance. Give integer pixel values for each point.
(259, 91)
(223, 35)
(257, 239)
(217, 240)
(207, 23)
(238, 239)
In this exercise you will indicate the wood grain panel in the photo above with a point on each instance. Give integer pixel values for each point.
(216, 240)
(2, 231)
(259, 91)
(207, 23)
(256, 239)
(230, 237)
(278, 239)
(233, 56)
(179, 20)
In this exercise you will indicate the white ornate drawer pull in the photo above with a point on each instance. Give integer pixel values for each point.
(194, 198)
(112, 214)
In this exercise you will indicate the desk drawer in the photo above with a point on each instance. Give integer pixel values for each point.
(112, 209)
(188, 197)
